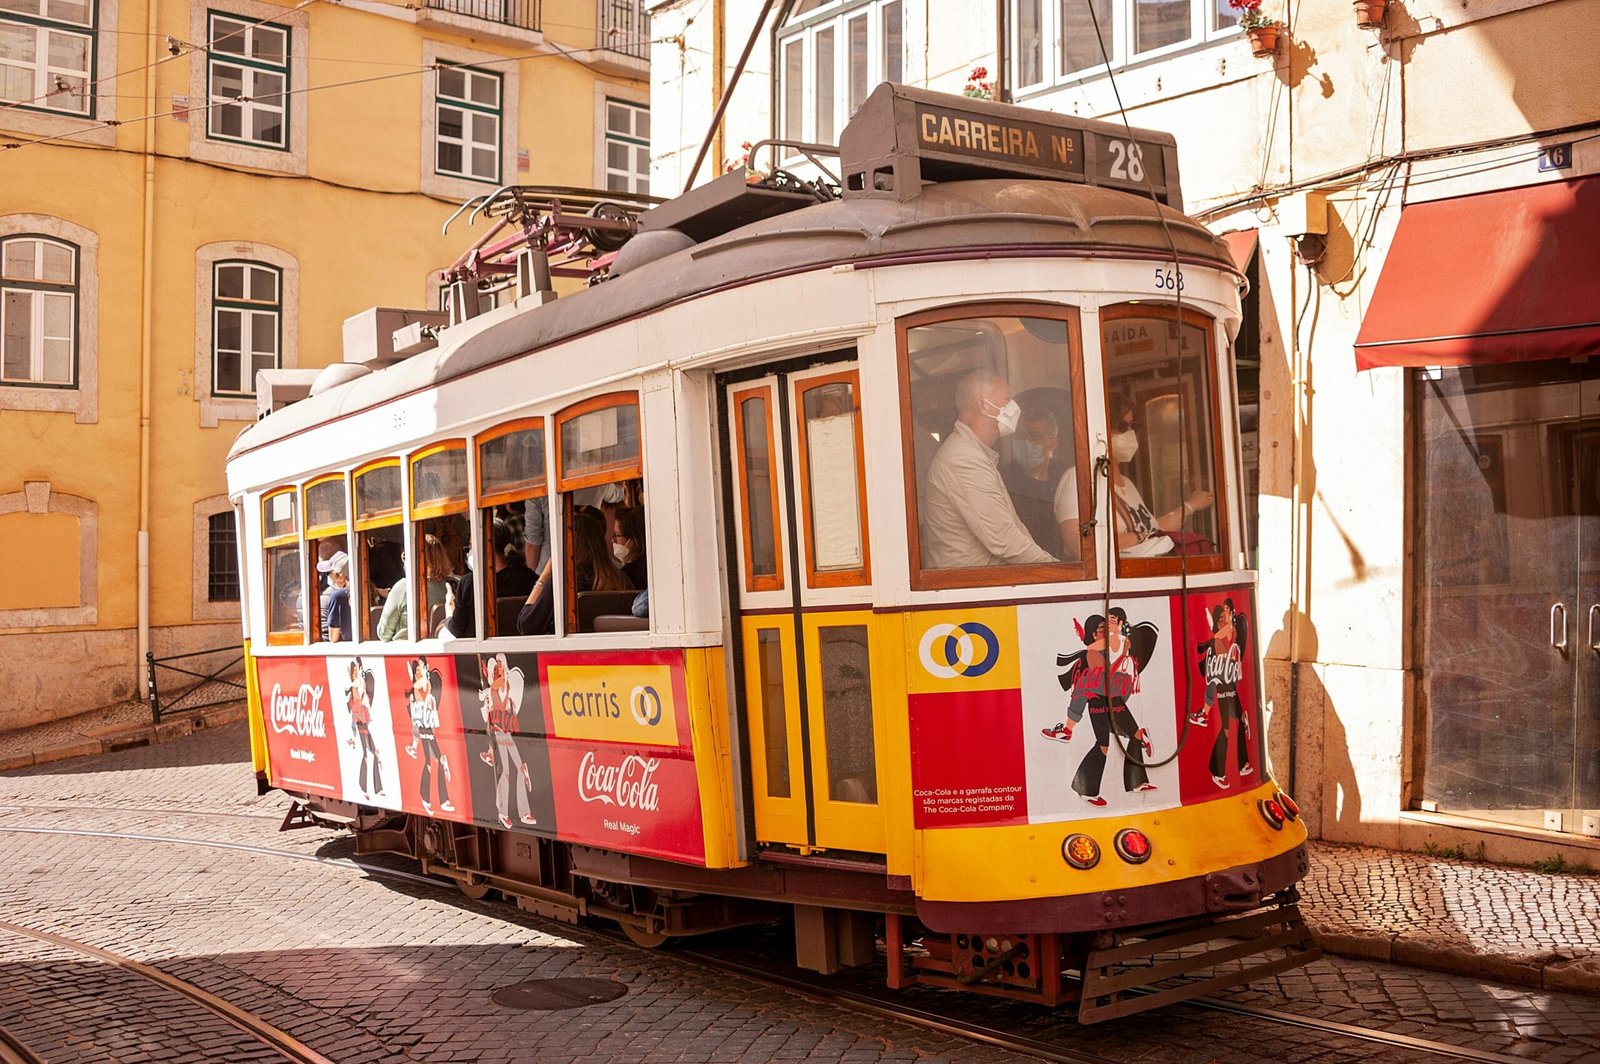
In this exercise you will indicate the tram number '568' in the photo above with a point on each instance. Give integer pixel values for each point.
(1169, 280)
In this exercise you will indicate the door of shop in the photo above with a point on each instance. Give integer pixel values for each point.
(1508, 506)
(798, 514)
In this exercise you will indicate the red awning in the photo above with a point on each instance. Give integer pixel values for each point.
(1241, 247)
(1508, 276)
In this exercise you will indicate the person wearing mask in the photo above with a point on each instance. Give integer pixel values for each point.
(336, 620)
(435, 571)
(969, 520)
(593, 570)
(627, 545)
(510, 577)
(1032, 475)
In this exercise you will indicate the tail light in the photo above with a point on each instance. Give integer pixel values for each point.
(1080, 851)
(1132, 845)
(1287, 804)
(1271, 812)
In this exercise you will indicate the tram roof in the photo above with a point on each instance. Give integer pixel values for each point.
(998, 215)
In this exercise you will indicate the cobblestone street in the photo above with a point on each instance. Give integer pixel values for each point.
(363, 968)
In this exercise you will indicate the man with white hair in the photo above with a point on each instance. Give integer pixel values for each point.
(969, 520)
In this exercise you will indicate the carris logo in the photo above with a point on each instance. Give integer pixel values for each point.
(949, 650)
(646, 705)
(298, 714)
(629, 785)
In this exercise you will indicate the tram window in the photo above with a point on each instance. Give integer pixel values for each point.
(325, 512)
(441, 537)
(830, 455)
(758, 488)
(997, 451)
(774, 701)
(1161, 401)
(380, 541)
(512, 484)
(281, 543)
(847, 714)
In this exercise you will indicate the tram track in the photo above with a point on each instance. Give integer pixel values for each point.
(881, 1007)
(14, 1050)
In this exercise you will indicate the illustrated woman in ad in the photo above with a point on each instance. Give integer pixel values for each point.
(424, 725)
(1100, 678)
(1221, 666)
(358, 696)
(501, 697)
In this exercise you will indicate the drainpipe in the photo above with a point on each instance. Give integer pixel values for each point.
(146, 340)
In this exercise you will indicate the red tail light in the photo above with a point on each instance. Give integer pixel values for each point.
(1133, 845)
(1290, 809)
(1271, 812)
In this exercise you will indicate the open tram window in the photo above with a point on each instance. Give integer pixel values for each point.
(1161, 400)
(280, 541)
(380, 543)
(512, 497)
(326, 528)
(996, 447)
(601, 498)
(441, 534)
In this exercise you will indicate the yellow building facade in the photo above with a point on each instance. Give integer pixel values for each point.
(193, 193)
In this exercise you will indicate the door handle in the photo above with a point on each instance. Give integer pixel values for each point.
(1558, 637)
(1594, 611)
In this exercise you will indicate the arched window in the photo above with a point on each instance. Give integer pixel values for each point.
(38, 311)
(247, 324)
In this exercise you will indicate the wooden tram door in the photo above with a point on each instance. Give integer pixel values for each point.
(799, 523)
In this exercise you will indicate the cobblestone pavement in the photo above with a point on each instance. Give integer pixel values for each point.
(370, 969)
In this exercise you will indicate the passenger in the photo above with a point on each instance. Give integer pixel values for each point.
(536, 533)
(627, 545)
(336, 621)
(510, 577)
(969, 520)
(385, 561)
(435, 568)
(1032, 476)
(592, 571)
(326, 549)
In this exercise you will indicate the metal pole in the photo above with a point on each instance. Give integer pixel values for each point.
(150, 683)
(727, 95)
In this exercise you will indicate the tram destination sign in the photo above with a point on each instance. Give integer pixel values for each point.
(928, 137)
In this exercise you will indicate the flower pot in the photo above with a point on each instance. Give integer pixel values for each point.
(1263, 39)
(1369, 13)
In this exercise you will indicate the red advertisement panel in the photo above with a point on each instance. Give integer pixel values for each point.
(432, 759)
(967, 760)
(1221, 753)
(302, 744)
(622, 768)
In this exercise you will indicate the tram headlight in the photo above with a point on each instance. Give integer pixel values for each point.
(1271, 812)
(1132, 845)
(1287, 804)
(1080, 851)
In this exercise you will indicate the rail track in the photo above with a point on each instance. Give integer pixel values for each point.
(880, 1006)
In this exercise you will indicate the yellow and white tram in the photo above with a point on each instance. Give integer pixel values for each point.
(932, 488)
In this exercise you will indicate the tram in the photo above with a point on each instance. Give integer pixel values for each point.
(866, 556)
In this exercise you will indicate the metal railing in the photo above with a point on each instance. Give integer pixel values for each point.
(214, 688)
(523, 14)
(624, 27)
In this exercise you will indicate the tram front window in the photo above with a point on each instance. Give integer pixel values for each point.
(1161, 404)
(997, 439)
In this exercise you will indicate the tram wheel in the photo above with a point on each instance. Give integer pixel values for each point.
(475, 891)
(646, 939)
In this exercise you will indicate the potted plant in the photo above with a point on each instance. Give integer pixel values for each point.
(1369, 13)
(978, 85)
(1261, 28)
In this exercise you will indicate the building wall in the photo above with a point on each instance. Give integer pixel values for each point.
(352, 207)
(1335, 112)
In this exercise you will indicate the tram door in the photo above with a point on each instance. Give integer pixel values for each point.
(794, 459)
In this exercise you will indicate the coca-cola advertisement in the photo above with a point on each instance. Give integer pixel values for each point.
(1217, 694)
(508, 764)
(297, 713)
(431, 762)
(364, 722)
(621, 765)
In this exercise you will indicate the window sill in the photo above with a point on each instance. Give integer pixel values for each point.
(49, 400)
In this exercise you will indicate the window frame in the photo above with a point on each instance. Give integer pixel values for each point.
(861, 576)
(431, 511)
(1174, 564)
(469, 107)
(211, 559)
(632, 470)
(313, 533)
(1087, 567)
(1119, 47)
(483, 505)
(767, 391)
(248, 308)
(638, 181)
(288, 636)
(43, 24)
(834, 16)
(72, 290)
(365, 632)
(246, 64)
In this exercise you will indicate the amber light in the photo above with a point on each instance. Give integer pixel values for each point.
(1081, 851)
(1133, 845)
(1286, 803)
(1271, 812)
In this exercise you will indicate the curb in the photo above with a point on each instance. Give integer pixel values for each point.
(126, 737)
(1543, 971)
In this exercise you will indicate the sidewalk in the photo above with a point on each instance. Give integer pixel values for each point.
(1510, 925)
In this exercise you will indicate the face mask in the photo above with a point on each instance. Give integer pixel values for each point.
(621, 551)
(1006, 416)
(1124, 445)
(1029, 455)
(470, 567)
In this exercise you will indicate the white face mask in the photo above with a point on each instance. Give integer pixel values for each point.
(621, 551)
(1029, 455)
(1124, 445)
(1006, 416)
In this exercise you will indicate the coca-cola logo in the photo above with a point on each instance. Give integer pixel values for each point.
(1226, 668)
(628, 785)
(299, 713)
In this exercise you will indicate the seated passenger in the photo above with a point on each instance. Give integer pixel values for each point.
(436, 570)
(1032, 476)
(510, 577)
(627, 544)
(968, 518)
(336, 621)
(592, 571)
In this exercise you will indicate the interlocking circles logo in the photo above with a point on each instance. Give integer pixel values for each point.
(646, 705)
(951, 650)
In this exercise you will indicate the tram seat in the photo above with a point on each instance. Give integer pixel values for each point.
(374, 613)
(436, 619)
(595, 604)
(506, 609)
(618, 622)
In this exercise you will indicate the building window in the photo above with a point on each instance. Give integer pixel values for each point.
(222, 543)
(247, 324)
(38, 312)
(1064, 40)
(467, 140)
(831, 55)
(47, 55)
(247, 76)
(627, 147)
(625, 27)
